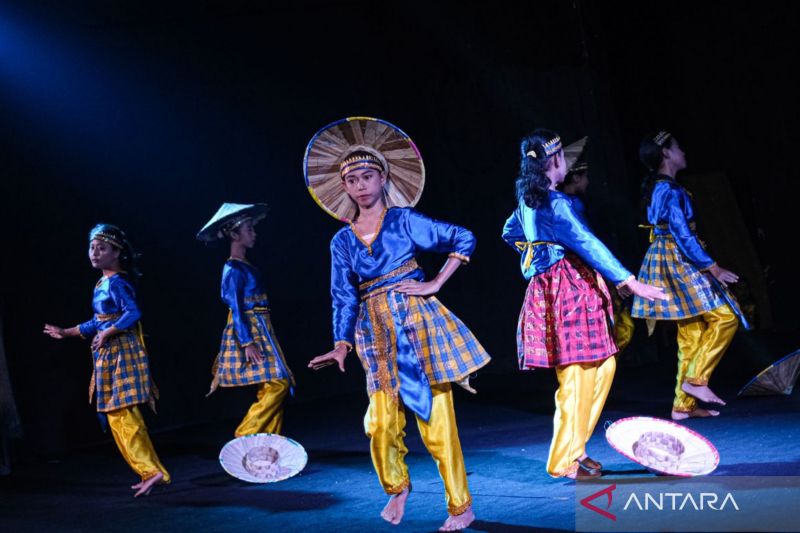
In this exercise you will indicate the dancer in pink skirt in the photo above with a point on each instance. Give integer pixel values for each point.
(566, 321)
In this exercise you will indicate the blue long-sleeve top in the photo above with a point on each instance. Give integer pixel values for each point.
(402, 234)
(242, 291)
(552, 230)
(671, 206)
(113, 297)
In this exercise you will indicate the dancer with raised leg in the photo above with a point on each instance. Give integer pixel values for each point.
(706, 313)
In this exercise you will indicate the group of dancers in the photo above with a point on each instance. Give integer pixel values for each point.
(369, 174)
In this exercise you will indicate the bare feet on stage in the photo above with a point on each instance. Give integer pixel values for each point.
(458, 522)
(144, 487)
(394, 510)
(697, 412)
(701, 392)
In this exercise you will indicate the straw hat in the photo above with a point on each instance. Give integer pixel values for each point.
(778, 378)
(331, 145)
(573, 152)
(263, 458)
(663, 446)
(228, 216)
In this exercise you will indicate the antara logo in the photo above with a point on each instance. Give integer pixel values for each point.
(678, 501)
(608, 493)
(661, 501)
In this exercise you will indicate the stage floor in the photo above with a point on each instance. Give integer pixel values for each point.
(505, 433)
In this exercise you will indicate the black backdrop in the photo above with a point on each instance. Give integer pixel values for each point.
(150, 116)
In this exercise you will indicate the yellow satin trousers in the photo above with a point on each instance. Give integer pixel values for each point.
(702, 341)
(266, 413)
(130, 434)
(385, 424)
(581, 395)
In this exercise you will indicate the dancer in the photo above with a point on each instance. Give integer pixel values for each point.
(368, 173)
(121, 377)
(705, 312)
(249, 353)
(565, 322)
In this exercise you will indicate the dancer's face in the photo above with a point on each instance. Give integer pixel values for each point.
(245, 234)
(103, 255)
(365, 186)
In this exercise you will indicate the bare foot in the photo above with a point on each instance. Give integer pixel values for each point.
(589, 463)
(144, 487)
(394, 510)
(458, 522)
(701, 392)
(697, 412)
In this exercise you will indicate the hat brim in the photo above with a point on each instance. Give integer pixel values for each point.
(213, 230)
(292, 457)
(330, 145)
(699, 458)
(778, 378)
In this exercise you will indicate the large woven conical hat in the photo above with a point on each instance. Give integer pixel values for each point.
(333, 143)
(263, 458)
(663, 446)
(779, 378)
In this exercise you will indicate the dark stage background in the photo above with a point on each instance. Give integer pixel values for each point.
(150, 115)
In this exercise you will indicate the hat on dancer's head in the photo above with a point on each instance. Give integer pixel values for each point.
(573, 152)
(263, 458)
(663, 446)
(229, 217)
(357, 143)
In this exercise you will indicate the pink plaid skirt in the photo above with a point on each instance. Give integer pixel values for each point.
(566, 317)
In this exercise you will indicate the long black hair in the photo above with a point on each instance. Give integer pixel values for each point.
(114, 236)
(532, 184)
(651, 156)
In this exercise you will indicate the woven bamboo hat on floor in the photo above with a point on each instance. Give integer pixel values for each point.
(263, 458)
(663, 446)
(390, 147)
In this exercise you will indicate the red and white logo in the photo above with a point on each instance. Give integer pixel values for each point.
(608, 493)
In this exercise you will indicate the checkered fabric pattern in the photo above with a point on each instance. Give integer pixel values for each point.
(446, 349)
(121, 373)
(690, 292)
(231, 368)
(565, 318)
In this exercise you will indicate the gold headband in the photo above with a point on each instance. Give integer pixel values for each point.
(107, 237)
(661, 137)
(358, 162)
(550, 147)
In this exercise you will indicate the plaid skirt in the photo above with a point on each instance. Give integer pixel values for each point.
(445, 348)
(121, 375)
(231, 368)
(566, 317)
(690, 292)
